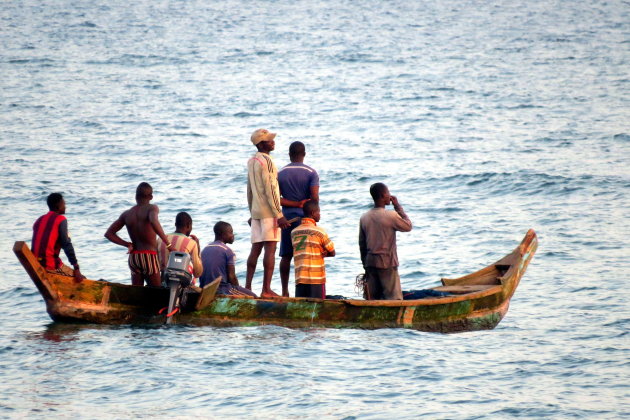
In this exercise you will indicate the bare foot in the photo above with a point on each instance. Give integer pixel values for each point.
(269, 294)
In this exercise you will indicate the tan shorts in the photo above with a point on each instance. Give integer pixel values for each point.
(265, 230)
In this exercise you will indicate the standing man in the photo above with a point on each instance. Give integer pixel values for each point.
(182, 241)
(377, 242)
(50, 234)
(142, 225)
(219, 260)
(311, 245)
(298, 184)
(263, 198)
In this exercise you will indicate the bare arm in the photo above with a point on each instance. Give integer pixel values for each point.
(231, 272)
(289, 203)
(157, 227)
(315, 193)
(112, 233)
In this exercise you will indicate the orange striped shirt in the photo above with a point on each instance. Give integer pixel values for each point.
(310, 244)
(181, 243)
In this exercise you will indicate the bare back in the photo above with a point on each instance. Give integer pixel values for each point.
(138, 222)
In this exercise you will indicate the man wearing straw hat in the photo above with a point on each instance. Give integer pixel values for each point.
(263, 199)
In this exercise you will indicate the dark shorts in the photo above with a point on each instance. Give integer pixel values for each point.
(310, 290)
(286, 245)
(144, 263)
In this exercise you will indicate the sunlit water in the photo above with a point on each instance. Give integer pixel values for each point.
(484, 119)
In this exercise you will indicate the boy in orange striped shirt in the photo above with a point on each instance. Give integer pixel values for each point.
(311, 245)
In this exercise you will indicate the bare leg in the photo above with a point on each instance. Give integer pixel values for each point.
(252, 260)
(137, 279)
(285, 271)
(154, 280)
(269, 261)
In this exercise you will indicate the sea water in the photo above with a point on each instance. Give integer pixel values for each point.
(485, 119)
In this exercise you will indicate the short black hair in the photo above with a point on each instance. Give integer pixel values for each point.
(310, 207)
(297, 149)
(220, 228)
(182, 219)
(377, 190)
(53, 201)
(144, 190)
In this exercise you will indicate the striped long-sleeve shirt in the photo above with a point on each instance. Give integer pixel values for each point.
(263, 193)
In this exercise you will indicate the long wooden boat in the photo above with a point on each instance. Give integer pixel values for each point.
(478, 301)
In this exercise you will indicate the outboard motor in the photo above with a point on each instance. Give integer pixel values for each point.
(177, 277)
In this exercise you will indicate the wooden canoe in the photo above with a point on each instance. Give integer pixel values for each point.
(478, 301)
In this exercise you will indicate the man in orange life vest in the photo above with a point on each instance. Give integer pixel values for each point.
(50, 234)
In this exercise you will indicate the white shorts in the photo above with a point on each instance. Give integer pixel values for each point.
(265, 230)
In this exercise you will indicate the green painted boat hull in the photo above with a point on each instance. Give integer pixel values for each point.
(478, 302)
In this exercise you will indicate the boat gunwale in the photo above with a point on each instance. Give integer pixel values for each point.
(509, 270)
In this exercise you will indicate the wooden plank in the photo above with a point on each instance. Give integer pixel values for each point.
(207, 294)
(36, 272)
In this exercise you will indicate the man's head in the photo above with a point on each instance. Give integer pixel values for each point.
(263, 140)
(223, 232)
(56, 203)
(144, 193)
(380, 194)
(297, 151)
(311, 209)
(183, 223)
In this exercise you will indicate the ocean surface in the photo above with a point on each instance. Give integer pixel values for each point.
(484, 118)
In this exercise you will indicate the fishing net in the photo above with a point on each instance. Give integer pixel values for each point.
(360, 285)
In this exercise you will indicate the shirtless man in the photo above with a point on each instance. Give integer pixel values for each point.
(142, 225)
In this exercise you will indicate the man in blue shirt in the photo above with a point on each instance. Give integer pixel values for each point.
(298, 183)
(219, 260)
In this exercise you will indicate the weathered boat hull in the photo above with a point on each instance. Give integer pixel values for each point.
(479, 302)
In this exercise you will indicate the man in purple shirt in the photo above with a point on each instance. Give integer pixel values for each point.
(219, 260)
(298, 184)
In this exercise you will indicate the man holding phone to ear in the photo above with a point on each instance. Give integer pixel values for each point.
(377, 242)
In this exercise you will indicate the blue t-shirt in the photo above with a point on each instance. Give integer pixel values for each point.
(215, 257)
(295, 181)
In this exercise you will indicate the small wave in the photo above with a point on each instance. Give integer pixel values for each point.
(45, 62)
(246, 115)
(192, 134)
(621, 137)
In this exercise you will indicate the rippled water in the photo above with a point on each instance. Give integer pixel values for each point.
(485, 118)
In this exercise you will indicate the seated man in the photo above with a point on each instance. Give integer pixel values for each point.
(219, 260)
(310, 245)
(50, 234)
(182, 241)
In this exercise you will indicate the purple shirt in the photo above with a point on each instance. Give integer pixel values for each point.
(216, 257)
(296, 180)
